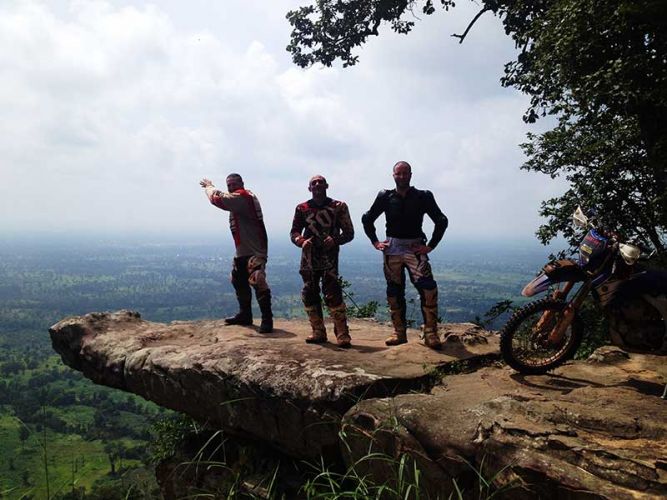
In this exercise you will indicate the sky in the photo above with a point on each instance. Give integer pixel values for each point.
(112, 111)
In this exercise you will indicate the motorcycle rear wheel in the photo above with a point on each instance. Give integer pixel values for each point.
(524, 343)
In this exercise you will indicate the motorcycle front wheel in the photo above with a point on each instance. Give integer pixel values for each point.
(524, 340)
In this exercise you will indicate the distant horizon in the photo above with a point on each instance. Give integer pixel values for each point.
(221, 238)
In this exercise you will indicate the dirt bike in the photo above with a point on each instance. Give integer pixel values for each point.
(545, 333)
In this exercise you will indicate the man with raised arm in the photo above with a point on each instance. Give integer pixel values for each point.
(249, 269)
(319, 227)
(406, 249)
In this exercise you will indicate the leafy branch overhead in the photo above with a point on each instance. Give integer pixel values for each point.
(599, 67)
(333, 28)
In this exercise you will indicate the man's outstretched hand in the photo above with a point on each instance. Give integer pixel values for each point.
(205, 182)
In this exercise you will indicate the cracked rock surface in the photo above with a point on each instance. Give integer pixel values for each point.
(591, 429)
(273, 388)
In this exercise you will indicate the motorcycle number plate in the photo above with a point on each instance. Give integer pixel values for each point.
(592, 247)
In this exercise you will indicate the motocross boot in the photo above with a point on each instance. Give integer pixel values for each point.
(244, 316)
(432, 340)
(397, 312)
(341, 329)
(319, 335)
(264, 301)
(241, 286)
(429, 303)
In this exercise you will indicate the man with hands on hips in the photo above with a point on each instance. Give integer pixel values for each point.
(406, 248)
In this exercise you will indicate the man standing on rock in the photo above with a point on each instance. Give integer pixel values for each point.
(319, 227)
(247, 225)
(406, 248)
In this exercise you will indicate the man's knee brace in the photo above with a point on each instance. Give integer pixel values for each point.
(333, 299)
(424, 284)
(257, 280)
(395, 290)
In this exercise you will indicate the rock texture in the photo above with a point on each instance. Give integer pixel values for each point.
(592, 429)
(273, 388)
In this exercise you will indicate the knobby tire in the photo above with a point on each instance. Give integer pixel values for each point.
(510, 329)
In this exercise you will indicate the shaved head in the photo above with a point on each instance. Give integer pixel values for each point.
(317, 177)
(318, 186)
(235, 176)
(402, 174)
(402, 164)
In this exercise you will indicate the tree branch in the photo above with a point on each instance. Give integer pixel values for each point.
(376, 25)
(474, 20)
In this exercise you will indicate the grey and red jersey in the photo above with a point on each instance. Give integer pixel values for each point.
(245, 220)
(331, 218)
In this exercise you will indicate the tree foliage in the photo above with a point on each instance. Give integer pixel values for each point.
(599, 67)
(332, 29)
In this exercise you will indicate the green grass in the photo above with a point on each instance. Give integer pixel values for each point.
(69, 458)
(75, 414)
(73, 458)
(253, 473)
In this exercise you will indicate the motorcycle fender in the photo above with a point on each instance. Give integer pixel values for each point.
(554, 272)
(539, 284)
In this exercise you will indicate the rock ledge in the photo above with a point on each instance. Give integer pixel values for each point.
(591, 429)
(273, 388)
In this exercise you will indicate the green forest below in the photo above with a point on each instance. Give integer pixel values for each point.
(60, 431)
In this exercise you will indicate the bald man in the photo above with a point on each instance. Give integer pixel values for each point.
(406, 249)
(249, 269)
(320, 226)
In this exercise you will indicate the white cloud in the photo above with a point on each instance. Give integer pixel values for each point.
(112, 112)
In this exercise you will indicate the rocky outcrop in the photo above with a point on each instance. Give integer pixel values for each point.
(272, 388)
(593, 429)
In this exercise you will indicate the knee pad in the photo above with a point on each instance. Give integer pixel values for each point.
(395, 290)
(424, 284)
(257, 280)
(333, 299)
